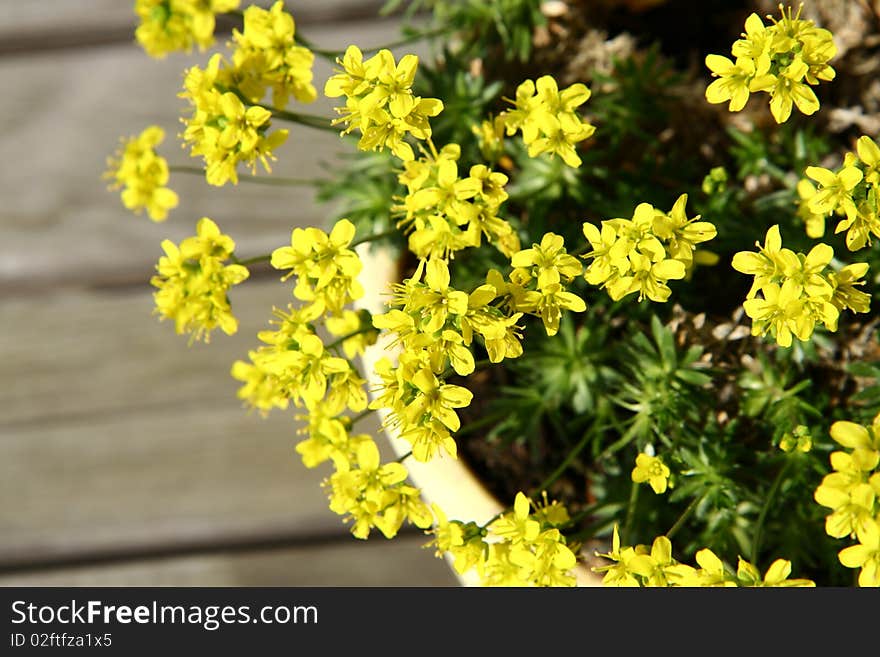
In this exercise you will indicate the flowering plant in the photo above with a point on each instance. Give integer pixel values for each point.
(596, 310)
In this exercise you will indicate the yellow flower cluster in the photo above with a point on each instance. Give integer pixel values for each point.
(193, 281)
(326, 269)
(644, 253)
(432, 325)
(170, 25)
(293, 364)
(380, 102)
(851, 193)
(445, 213)
(143, 174)
(548, 118)
(852, 492)
(656, 567)
(798, 291)
(266, 56)
(372, 494)
(549, 267)
(222, 129)
(782, 59)
(520, 548)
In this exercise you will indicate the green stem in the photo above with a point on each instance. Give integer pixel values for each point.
(470, 427)
(485, 525)
(252, 261)
(684, 516)
(630, 513)
(374, 237)
(759, 527)
(357, 418)
(558, 472)
(339, 341)
(310, 120)
(259, 180)
(402, 458)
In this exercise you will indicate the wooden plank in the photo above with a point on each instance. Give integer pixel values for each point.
(153, 479)
(78, 354)
(64, 117)
(114, 435)
(376, 562)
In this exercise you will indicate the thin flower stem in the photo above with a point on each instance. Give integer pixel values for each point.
(630, 513)
(684, 516)
(470, 427)
(310, 120)
(403, 457)
(485, 525)
(549, 481)
(374, 237)
(259, 180)
(339, 341)
(252, 261)
(361, 416)
(759, 526)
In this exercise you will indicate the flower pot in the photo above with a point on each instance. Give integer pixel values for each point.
(445, 481)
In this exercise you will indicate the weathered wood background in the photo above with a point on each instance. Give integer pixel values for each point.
(125, 457)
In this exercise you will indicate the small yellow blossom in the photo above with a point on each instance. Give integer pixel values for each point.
(783, 59)
(641, 255)
(776, 575)
(326, 269)
(865, 554)
(380, 102)
(798, 291)
(170, 25)
(193, 281)
(143, 175)
(222, 129)
(266, 56)
(651, 469)
(548, 118)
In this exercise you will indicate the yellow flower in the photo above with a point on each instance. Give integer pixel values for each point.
(380, 102)
(267, 56)
(517, 526)
(193, 281)
(651, 469)
(169, 25)
(143, 175)
(548, 261)
(866, 554)
(326, 268)
(777, 575)
(548, 118)
(869, 154)
(782, 59)
(733, 83)
(789, 89)
(223, 130)
(644, 253)
(766, 265)
(366, 492)
(835, 190)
